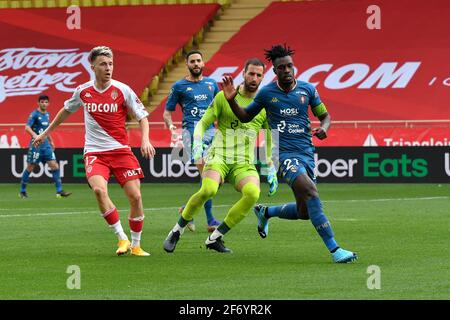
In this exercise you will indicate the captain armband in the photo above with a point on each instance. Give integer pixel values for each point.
(319, 110)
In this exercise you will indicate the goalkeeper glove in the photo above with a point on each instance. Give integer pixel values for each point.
(197, 150)
(272, 179)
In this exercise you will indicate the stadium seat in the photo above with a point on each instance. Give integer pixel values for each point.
(99, 3)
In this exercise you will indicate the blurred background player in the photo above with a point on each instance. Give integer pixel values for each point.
(286, 102)
(37, 122)
(194, 94)
(106, 150)
(228, 160)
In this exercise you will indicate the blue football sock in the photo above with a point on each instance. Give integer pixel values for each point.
(287, 211)
(321, 223)
(57, 179)
(24, 181)
(208, 211)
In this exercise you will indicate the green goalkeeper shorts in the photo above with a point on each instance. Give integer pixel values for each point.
(233, 173)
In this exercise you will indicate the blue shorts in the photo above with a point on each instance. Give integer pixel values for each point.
(292, 165)
(188, 139)
(42, 154)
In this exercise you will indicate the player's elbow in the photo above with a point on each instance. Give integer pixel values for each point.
(325, 116)
(143, 120)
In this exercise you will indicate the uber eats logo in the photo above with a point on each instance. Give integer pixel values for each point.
(394, 167)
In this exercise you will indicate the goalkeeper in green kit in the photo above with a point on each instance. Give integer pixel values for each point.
(230, 158)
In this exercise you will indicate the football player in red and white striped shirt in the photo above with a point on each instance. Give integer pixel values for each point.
(106, 150)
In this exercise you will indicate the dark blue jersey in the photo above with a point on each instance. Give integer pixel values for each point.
(38, 122)
(287, 113)
(193, 97)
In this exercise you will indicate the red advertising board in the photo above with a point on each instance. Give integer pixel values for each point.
(398, 72)
(73, 137)
(40, 52)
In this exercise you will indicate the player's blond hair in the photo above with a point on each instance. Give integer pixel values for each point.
(100, 51)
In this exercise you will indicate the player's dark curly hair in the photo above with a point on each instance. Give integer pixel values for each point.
(278, 51)
(43, 97)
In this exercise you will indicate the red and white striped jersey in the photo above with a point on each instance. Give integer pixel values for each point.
(105, 114)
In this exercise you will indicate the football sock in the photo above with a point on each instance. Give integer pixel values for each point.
(197, 200)
(57, 179)
(250, 195)
(112, 218)
(179, 227)
(24, 181)
(321, 223)
(287, 211)
(182, 222)
(223, 228)
(208, 211)
(216, 234)
(136, 225)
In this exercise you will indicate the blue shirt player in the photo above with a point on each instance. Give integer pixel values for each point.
(194, 94)
(286, 102)
(37, 122)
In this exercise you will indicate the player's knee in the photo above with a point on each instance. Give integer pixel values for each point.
(135, 198)
(303, 214)
(100, 192)
(209, 188)
(53, 165)
(251, 192)
(208, 192)
(311, 192)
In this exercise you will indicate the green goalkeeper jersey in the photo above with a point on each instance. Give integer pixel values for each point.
(234, 141)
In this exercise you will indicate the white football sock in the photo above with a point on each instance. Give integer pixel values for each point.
(177, 227)
(135, 239)
(118, 230)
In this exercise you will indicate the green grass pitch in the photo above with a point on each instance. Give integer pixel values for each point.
(401, 228)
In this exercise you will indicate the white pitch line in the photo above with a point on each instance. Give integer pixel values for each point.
(89, 211)
(216, 206)
(387, 199)
(24, 209)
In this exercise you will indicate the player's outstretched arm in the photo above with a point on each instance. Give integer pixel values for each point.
(199, 132)
(230, 93)
(147, 150)
(272, 178)
(60, 118)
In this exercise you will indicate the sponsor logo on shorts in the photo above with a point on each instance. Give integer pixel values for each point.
(132, 172)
